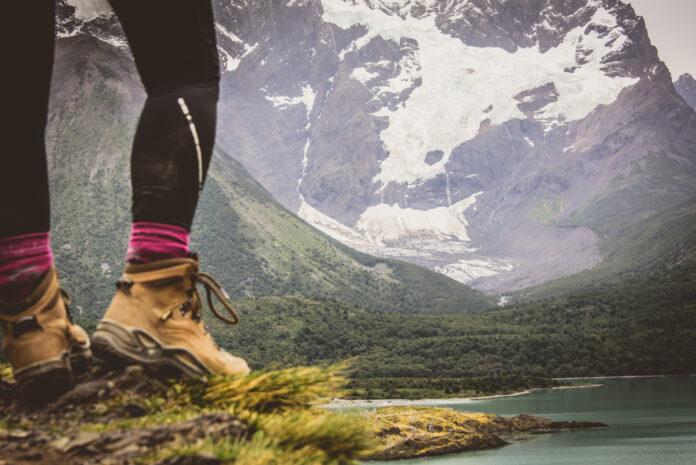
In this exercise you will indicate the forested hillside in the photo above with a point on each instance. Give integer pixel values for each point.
(640, 326)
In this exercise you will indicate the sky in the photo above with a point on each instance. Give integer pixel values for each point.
(671, 28)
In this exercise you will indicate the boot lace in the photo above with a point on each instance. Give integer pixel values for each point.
(68, 301)
(212, 287)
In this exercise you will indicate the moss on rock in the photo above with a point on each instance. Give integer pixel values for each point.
(417, 431)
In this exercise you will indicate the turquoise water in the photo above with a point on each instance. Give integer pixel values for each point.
(652, 421)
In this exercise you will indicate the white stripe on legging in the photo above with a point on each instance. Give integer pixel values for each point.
(194, 133)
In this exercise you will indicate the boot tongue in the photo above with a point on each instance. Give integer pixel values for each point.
(161, 264)
(178, 268)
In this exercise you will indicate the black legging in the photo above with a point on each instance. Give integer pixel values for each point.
(173, 43)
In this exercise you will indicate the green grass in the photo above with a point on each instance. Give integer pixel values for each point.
(652, 185)
(276, 406)
(545, 211)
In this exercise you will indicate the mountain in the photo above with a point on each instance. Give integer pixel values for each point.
(502, 143)
(686, 86)
(252, 244)
(496, 142)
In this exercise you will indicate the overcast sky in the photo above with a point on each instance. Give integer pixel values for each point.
(672, 30)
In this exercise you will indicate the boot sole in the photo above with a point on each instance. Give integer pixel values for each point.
(80, 358)
(45, 381)
(119, 343)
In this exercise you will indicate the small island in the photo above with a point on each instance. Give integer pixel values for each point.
(418, 431)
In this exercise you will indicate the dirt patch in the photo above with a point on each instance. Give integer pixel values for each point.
(96, 423)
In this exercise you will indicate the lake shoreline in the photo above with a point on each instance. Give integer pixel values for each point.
(619, 377)
(407, 432)
(651, 420)
(347, 403)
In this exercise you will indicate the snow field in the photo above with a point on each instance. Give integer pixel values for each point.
(459, 82)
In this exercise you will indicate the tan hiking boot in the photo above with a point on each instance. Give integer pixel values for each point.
(155, 320)
(41, 342)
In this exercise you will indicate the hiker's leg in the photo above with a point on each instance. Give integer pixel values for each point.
(25, 254)
(41, 343)
(173, 42)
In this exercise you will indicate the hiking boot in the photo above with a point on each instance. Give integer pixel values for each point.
(155, 320)
(42, 343)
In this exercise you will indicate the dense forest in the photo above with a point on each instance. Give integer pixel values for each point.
(639, 327)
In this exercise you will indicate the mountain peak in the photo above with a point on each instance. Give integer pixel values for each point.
(686, 87)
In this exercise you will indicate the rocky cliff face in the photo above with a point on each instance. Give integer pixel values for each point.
(494, 141)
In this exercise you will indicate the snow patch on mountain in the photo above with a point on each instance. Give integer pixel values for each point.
(392, 223)
(424, 231)
(227, 33)
(469, 269)
(115, 41)
(333, 228)
(363, 75)
(460, 82)
(306, 98)
(88, 10)
(228, 62)
(409, 72)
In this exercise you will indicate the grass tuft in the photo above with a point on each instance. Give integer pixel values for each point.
(264, 391)
(277, 406)
(6, 372)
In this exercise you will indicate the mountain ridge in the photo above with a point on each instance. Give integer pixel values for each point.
(316, 96)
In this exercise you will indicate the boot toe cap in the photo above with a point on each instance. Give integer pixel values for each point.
(233, 365)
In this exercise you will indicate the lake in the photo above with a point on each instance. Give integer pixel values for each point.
(652, 421)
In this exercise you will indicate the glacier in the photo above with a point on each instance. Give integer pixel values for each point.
(460, 82)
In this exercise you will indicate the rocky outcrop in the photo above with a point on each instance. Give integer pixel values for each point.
(408, 432)
(121, 416)
(102, 394)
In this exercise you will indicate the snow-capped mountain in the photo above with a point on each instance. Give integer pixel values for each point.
(496, 141)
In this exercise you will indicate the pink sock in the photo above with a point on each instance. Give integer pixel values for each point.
(24, 261)
(150, 242)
